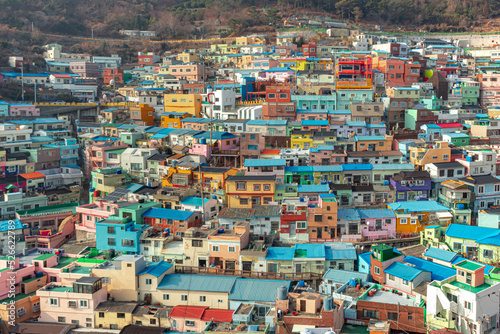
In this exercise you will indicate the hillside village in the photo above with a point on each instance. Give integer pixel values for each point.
(262, 186)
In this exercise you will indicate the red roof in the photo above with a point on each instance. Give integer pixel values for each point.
(218, 315)
(191, 312)
(61, 75)
(449, 125)
(270, 151)
(34, 175)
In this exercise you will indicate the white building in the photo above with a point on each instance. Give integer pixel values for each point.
(114, 61)
(250, 112)
(134, 160)
(467, 302)
(224, 104)
(13, 202)
(210, 206)
(12, 231)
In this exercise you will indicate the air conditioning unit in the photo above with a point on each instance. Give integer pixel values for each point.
(236, 196)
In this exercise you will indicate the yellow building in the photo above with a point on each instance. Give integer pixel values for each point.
(178, 176)
(302, 141)
(425, 154)
(114, 315)
(172, 120)
(187, 57)
(183, 103)
(250, 191)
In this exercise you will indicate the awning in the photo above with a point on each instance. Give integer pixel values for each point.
(299, 328)
(442, 215)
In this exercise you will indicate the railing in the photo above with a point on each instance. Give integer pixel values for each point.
(247, 274)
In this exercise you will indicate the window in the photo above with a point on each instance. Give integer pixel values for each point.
(256, 187)
(488, 253)
(61, 319)
(54, 301)
(197, 243)
(149, 281)
(111, 230)
(231, 249)
(84, 303)
(72, 303)
(370, 314)
(401, 196)
(203, 299)
(271, 96)
(101, 314)
(468, 305)
(241, 186)
(128, 243)
(190, 323)
(405, 282)
(480, 189)
(113, 326)
(403, 221)
(215, 248)
(166, 296)
(376, 270)
(152, 321)
(267, 187)
(120, 315)
(445, 156)
(184, 298)
(283, 95)
(457, 246)
(391, 277)
(497, 188)
(410, 316)
(392, 316)
(243, 201)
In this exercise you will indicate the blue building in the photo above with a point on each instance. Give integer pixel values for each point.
(122, 235)
(69, 151)
(240, 89)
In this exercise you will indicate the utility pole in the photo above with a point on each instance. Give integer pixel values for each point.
(92, 28)
(35, 92)
(201, 193)
(22, 80)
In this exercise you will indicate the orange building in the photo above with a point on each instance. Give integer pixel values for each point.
(373, 143)
(322, 221)
(414, 216)
(172, 120)
(142, 114)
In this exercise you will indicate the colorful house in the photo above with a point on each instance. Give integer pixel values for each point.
(412, 217)
(250, 191)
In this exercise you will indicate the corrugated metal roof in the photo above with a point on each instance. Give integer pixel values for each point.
(376, 213)
(340, 254)
(311, 250)
(256, 290)
(207, 283)
(402, 271)
(280, 253)
(470, 232)
(264, 162)
(440, 254)
(167, 214)
(348, 214)
(156, 268)
(438, 272)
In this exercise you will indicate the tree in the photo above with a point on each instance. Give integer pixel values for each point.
(358, 13)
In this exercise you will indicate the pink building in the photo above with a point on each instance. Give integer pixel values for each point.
(98, 158)
(190, 72)
(263, 64)
(23, 109)
(22, 272)
(378, 223)
(280, 74)
(74, 304)
(84, 69)
(91, 213)
(325, 155)
(224, 248)
(195, 318)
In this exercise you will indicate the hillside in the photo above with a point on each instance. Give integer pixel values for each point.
(180, 18)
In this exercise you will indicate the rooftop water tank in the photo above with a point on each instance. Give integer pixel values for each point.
(282, 293)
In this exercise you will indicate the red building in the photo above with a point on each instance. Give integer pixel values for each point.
(398, 73)
(310, 50)
(148, 58)
(194, 88)
(354, 69)
(278, 103)
(112, 74)
(177, 221)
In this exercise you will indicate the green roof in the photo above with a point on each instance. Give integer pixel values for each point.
(81, 270)
(468, 265)
(44, 257)
(470, 288)
(118, 151)
(17, 297)
(62, 289)
(66, 207)
(144, 205)
(64, 261)
(32, 279)
(354, 329)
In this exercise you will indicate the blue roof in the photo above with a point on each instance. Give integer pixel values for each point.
(438, 272)
(102, 138)
(313, 188)
(299, 169)
(279, 69)
(470, 232)
(336, 254)
(493, 240)
(393, 167)
(39, 139)
(440, 254)
(343, 276)
(311, 111)
(371, 126)
(322, 148)
(348, 214)
(346, 167)
(369, 138)
(216, 135)
(156, 268)
(402, 271)
(456, 135)
(280, 253)
(6, 225)
(419, 206)
(376, 213)
(312, 250)
(167, 214)
(135, 187)
(159, 136)
(432, 126)
(366, 257)
(307, 122)
(327, 169)
(257, 290)
(267, 122)
(187, 282)
(264, 162)
(355, 123)
(194, 201)
(195, 120)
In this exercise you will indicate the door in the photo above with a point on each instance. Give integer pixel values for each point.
(319, 232)
(298, 268)
(293, 228)
(272, 268)
(255, 201)
(247, 265)
(302, 305)
(202, 263)
(341, 266)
